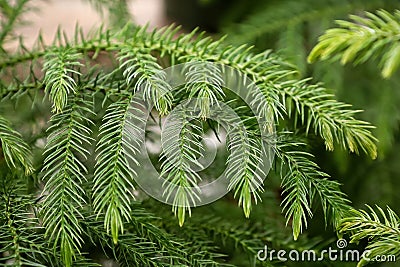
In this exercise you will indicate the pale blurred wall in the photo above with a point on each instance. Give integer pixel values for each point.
(66, 13)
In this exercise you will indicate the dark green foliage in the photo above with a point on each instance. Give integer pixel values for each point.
(20, 241)
(80, 198)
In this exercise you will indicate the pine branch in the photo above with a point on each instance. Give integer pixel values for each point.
(131, 249)
(15, 150)
(146, 244)
(64, 173)
(20, 242)
(205, 235)
(59, 67)
(204, 84)
(316, 108)
(137, 75)
(335, 203)
(332, 120)
(304, 180)
(381, 229)
(363, 38)
(179, 157)
(246, 174)
(169, 247)
(297, 191)
(267, 71)
(113, 177)
(240, 236)
(144, 74)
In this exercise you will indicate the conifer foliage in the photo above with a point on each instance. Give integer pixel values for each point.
(78, 197)
(373, 36)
